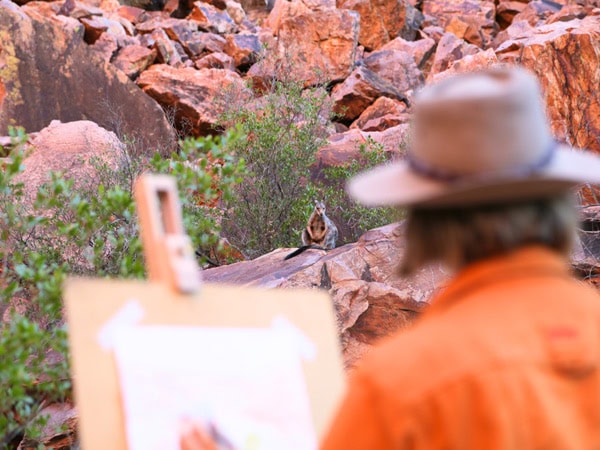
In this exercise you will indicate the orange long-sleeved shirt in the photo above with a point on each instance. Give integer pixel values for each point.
(506, 357)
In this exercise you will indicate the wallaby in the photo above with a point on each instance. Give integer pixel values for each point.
(320, 232)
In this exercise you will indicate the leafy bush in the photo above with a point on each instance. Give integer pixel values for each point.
(86, 231)
(354, 219)
(272, 204)
(282, 137)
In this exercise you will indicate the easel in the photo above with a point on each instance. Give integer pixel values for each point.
(174, 295)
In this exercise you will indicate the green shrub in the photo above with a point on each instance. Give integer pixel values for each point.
(352, 218)
(282, 137)
(271, 206)
(85, 231)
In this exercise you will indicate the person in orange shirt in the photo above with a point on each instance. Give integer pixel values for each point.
(507, 356)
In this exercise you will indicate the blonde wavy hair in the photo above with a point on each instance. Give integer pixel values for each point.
(457, 237)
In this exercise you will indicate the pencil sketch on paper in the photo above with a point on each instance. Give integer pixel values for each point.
(248, 382)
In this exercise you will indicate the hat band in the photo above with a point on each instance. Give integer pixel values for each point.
(429, 171)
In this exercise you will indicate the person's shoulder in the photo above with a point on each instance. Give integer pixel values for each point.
(416, 360)
(483, 334)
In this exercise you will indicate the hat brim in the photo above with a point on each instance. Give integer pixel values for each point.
(397, 184)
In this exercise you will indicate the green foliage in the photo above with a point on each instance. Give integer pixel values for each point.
(352, 218)
(207, 170)
(283, 135)
(272, 204)
(88, 229)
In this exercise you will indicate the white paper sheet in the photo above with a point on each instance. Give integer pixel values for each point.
(248, 382)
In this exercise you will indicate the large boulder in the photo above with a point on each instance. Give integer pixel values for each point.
(360, 90)
(319, 46)
(47, 72)
(471, 20)
(341, 148)
(384, 20)
(76, 149)
(369, 299)
(420, 50)
(450, 49)
(285, 9)
(384, 113)
(470, 63)
(396, 66)
(190, 94)
(566, 58)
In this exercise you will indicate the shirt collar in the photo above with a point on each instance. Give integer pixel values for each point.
(529, 261)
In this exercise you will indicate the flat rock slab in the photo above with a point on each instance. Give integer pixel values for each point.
(370, 301)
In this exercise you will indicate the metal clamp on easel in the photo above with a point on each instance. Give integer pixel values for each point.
(167, 249)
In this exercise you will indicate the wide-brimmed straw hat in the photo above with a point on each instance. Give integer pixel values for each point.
(478, 138)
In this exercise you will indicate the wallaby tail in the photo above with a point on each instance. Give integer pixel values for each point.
(303, 249)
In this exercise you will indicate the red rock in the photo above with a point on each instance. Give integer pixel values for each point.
(344, 147)
(401, 19)
(130, 13)
(190, 93)
(341, 149)
(95, 26)
(166, 51)
(320, 46)
(219, 4)
(283, 9)
(384, 20)
(397, 67)
(564, 55)
(320, 5)
(105, 47)
(359, 90)
(570, 12)
(180, 30)
(134, 59)
(71, 90)
(243, 48)
(46, 9)
(201, 43)
(83, 9)
(69, 148)
(60, 431)
(369, 301)
(373, 33)
(209, 18)
(507, 10)
(471, 20)
(516, 29)
(215, 61)
(384, 113)
(394, 140)
(433, 32)
(536, 12)
(420, 50)
(469, 63)
(235, 11)
(450, 49)
(176, 29)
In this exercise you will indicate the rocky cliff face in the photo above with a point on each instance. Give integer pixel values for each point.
(94, 53)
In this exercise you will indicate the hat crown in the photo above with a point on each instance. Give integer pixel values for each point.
(480, 123)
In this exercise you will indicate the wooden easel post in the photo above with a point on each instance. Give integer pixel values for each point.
(167, 249)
